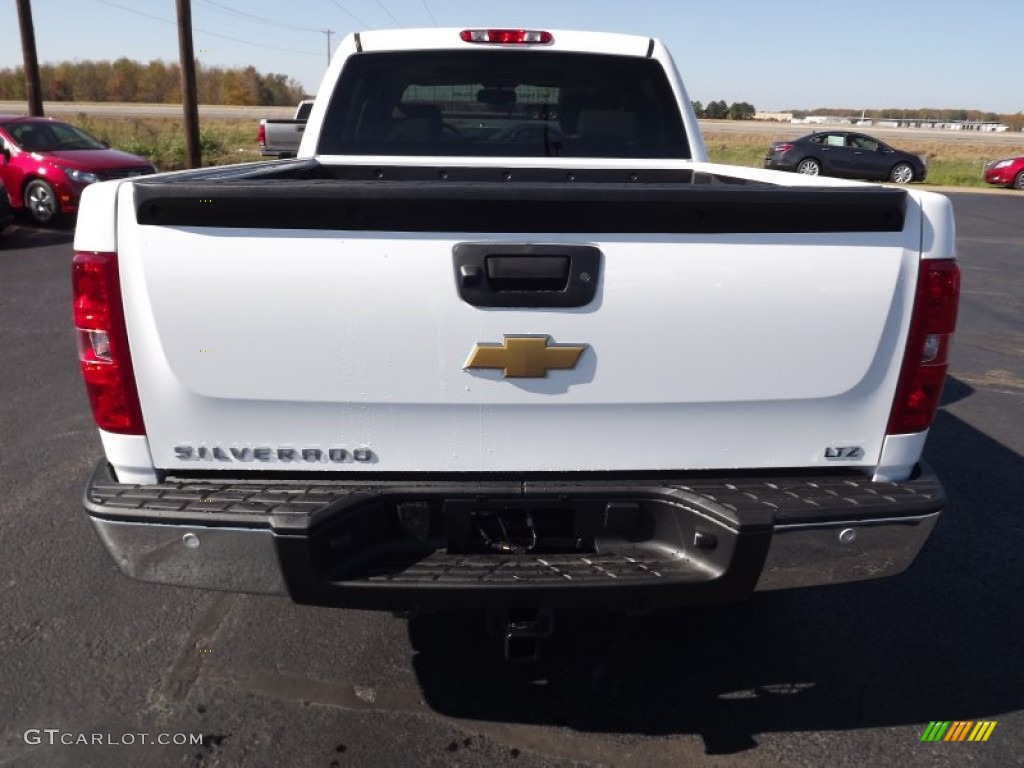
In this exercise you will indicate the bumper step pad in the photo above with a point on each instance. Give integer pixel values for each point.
(606, 567)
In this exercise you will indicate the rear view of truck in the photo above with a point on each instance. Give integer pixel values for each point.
(281, 138)
(502, 337)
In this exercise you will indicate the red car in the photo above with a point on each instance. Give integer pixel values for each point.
(45, 165)
(1006, 173)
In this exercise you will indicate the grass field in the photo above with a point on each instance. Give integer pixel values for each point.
(162, 140)
(950, 163)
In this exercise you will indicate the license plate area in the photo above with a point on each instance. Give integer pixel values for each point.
(551, 541)
(519, 527)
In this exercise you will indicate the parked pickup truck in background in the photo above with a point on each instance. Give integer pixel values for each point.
(281, 138)
(500, 336)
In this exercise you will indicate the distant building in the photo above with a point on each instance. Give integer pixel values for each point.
(985, 126)
(778, 117)
(982, 126)
(822, 120)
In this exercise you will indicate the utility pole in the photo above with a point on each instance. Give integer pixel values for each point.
(328, 32)
(188, 84)
(33, 89)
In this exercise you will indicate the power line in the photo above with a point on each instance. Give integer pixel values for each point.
(207, 32)
(430, 13)
(349, 13)
(245, 14)
(137, 13)
(389, 13)
(256, 45)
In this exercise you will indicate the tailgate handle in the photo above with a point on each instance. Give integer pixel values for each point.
(527, 275)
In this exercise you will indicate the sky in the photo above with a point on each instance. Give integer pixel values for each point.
(797, 54)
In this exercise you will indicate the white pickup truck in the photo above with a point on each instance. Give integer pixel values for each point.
(281, 138)
(500, 336)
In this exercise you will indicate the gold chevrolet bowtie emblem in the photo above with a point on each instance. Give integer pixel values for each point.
(525, 357)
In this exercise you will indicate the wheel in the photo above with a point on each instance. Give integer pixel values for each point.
(809, 167)
(902, 173)
(41, 202)
(1019, 181)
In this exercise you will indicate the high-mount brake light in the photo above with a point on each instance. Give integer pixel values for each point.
(103, 343)
(507, 36)
(926, 359)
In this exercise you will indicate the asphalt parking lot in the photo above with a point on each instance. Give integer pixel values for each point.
(842, 676)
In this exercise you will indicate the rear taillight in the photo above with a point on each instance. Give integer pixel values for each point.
(926, 359)
(261, 136)
(781, 147)
(103, 343)
(507, 36)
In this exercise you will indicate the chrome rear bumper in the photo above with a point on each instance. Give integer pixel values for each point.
(399, 545)
(807, 555)
(246, 560)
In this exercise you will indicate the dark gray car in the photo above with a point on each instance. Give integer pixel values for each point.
(848, 155)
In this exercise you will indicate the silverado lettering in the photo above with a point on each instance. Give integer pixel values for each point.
(233, 453)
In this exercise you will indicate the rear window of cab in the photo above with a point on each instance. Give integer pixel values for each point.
(503, 103)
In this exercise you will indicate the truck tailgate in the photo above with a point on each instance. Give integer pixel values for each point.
(723, 341)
